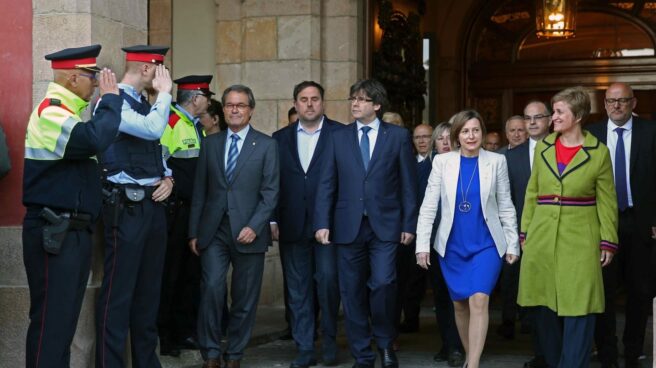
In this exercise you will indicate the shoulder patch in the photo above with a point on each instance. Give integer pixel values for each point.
(173, 119)
(52, 102)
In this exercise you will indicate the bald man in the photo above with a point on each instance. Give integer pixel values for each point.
(631, 142)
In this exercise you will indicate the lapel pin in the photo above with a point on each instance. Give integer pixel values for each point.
(253, 143)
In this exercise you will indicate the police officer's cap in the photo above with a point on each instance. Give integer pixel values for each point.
(146, 53)
(76, 58)
(195, 83)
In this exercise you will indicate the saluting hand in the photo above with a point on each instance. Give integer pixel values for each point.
(162, 81)
(107, 82)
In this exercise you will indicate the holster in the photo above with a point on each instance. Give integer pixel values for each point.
(59, 225)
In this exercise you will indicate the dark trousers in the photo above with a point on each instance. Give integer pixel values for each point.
(367, 284)
(444, 313)
(130, 291)
(605, 335)
(57, 285)
(638, 268)
(178, 311)
(566, 341)
(411, 281)
(509, 283)
(306, 264)
(247, 270)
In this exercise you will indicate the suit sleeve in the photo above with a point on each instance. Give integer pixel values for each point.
(408, 173)
(269, 190)
(200, 190)
(275, 214)
(607, 204)
(429, 207)
(326, 189)
(94, 136)
(507, 214)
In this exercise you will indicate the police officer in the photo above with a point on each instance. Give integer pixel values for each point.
(181, 279)
(62, 194)
(137, 181)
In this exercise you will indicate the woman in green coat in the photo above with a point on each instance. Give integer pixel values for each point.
(569, 232)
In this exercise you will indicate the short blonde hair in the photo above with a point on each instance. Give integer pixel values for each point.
(393, 118)
(577, 99)
(458, 122)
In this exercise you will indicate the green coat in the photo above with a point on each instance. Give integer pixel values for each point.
(567, 220)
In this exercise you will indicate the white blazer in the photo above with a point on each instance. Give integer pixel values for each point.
(496, 203)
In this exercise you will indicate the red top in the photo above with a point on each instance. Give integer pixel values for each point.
(564, 155)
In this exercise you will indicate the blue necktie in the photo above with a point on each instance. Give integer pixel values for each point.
(620, 172)
(232, 158)
(364, 146)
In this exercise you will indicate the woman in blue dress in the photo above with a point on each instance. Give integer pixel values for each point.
(477, 230)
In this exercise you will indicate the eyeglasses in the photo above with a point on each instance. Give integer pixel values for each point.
(535, 117)
(90, 76)
(622, 101)
(359, 99)
(421, 137)
(240, 107)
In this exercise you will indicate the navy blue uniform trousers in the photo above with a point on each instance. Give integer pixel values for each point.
(57, 284)
(367, 283)
(130, 291)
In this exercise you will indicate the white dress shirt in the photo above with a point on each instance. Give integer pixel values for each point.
(611, 143)
(306, 144)
(373, 134)
(531, 151)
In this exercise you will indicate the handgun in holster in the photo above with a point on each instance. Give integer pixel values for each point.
(55, 232)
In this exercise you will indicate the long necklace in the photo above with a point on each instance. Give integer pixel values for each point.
(464, 205)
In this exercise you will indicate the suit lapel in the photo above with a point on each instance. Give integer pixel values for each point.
(451, 181)
(356, 145)
(549, 155)
(246, 150)
(323, 137)
(379, 146)
(636, 137)
(220, 154)
(485, 174)
(293, 146)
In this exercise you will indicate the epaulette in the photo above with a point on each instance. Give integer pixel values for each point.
(173, 119)
(52, 102)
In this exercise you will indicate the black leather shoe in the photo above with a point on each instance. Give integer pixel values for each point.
(442, 356)
(456, 359)
(536, 362)
(169, 349)
(388, 358)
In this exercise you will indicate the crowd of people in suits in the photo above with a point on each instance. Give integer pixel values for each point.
(362, 214)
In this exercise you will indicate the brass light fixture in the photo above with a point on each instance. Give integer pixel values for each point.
(555, 18)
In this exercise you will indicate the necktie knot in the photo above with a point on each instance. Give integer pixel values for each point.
(619, 131)
(365, 129)
(234, 137)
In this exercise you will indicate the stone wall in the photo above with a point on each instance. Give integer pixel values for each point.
(273, 45)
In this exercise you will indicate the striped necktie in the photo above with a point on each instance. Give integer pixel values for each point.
(232, 158)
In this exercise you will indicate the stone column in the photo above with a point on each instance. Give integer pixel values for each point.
(272, 45)
(59, 24)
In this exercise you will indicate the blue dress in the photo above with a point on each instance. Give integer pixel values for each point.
(471, 262)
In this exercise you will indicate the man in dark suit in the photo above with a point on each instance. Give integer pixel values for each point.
(632, 145)
(301, 146)
(366, 204)
(235, 194)
(537, 118)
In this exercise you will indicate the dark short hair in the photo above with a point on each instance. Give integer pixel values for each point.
(216, 109)
(374, 90)
(458, 122)
(291, 112)
(305, 84)
(240, 88)
(578, 101)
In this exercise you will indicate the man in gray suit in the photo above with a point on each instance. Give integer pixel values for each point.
(235, 193)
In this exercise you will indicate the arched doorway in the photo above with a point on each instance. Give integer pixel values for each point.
(506, 65)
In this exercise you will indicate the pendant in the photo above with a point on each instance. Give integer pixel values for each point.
(464, 206)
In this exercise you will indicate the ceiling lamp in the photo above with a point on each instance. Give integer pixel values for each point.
(555, 18)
